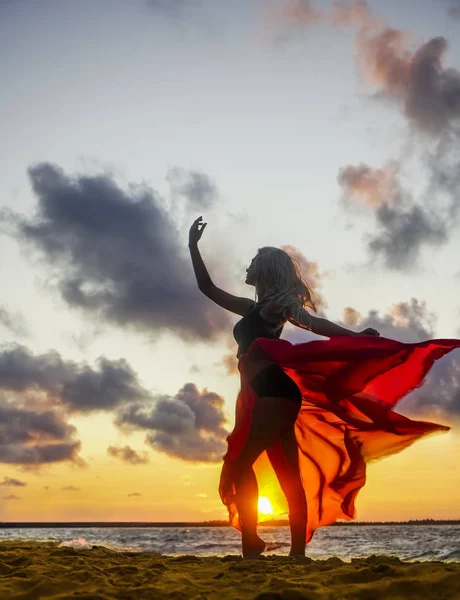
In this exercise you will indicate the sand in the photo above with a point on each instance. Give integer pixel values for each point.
(45, 570)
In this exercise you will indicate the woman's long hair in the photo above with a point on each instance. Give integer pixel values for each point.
(278, 277)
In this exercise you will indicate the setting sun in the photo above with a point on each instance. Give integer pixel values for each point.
(265, 506)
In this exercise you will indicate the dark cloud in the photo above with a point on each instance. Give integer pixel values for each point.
(11, 497)
(113, 384)
(78, 387)
(31, 438)
(403, 227)
(195, 187)
(134, 494)
(67, 387)
(428, 94)
(408, 322)
(13, 322)
(439, 396)
(118, 256)
(127, 454)
(70, 488)
(453, 8)
(402, 234)
(416, 78)
(189, 426)
(443, 165)
(429, 91)
(12, 482)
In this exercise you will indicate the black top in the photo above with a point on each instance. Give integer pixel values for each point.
(253, 326)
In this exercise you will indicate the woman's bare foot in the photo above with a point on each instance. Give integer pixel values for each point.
(253, 546)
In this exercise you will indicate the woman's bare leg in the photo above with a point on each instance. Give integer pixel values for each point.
(269, 419)
(287, 470)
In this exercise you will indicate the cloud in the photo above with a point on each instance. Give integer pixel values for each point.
(10, 481)
(189, 426)
(291, 16)
(118, 256)
(403, 227)
(371, 186)
(202, 495)
(408, 322)
(32, 436)
(300, 14)
(67, 387)
(453, 8)
(411, 322)
(403, 232)
(428, 91)
(71, 488)
(195, 187)
(230, 362)
(78, 387)
(13, 322)
(127, 454)
(11, 497)
(414, 77)
(32, 439)
(113, 384)
(134, 494)
(439, 396)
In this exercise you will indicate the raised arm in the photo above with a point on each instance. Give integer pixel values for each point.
(232, 303)
(303, 319)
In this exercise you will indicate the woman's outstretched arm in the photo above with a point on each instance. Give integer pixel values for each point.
(232, 303)
(303, 319)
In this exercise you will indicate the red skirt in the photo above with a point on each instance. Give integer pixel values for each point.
(349, 387)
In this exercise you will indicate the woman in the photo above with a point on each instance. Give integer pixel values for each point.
(309, 414)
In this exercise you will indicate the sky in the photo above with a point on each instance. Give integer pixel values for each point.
(328, 129)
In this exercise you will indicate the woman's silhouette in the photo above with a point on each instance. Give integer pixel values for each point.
(311, 399)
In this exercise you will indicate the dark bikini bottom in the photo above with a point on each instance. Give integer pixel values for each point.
(273, 381)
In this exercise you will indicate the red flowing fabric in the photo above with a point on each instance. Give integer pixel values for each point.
(349, 387)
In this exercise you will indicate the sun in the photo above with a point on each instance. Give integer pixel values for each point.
(265, 506)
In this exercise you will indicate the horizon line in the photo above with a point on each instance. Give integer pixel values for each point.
(211, 523)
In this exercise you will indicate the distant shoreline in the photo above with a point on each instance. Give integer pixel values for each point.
(162, 524)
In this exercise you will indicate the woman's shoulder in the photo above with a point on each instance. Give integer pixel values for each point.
(272, 310)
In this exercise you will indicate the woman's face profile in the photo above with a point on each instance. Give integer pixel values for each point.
(251, 273)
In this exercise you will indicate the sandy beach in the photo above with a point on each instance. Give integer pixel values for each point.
(32, 570)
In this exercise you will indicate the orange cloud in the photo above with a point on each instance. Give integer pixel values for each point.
(373, 186)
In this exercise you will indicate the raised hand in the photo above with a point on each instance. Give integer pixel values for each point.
(196, 231)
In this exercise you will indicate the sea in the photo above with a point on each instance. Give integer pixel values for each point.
(407, 542)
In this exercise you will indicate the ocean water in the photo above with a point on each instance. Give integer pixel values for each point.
(414, 542)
